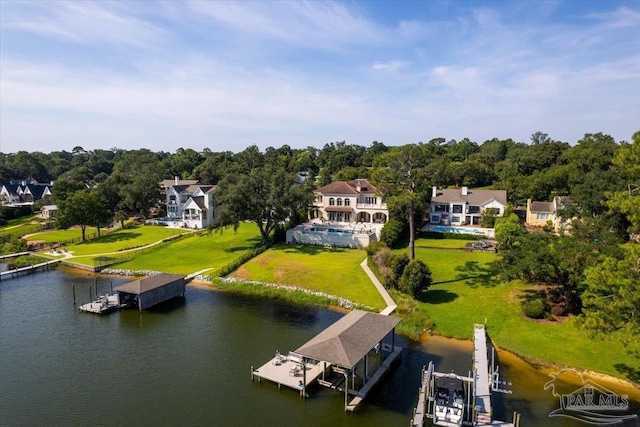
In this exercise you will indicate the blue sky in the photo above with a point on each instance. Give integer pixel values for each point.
(226, 75)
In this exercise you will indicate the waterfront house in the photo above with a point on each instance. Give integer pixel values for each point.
(192, 204)
(24, 192)
(349, 202)
(465, 206)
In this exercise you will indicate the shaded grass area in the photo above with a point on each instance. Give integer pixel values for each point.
(467, 291)
(194, 253)
(333, 271)
(54, 236)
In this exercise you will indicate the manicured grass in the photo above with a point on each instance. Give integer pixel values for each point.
(466, 292)
(123, 239)
(19, 230)
(333, 271)
(54, 236)
(195, 253)
(20, 221)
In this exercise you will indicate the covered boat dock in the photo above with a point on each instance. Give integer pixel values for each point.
(334, 355)
(152, 290)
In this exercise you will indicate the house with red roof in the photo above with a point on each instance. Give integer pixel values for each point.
(349, 202)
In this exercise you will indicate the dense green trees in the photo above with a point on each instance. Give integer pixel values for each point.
(82, 208)
(581, 272)
(259, 191)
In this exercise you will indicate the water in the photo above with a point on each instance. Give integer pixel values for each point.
(188, 363)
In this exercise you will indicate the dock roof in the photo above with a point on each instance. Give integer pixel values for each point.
(349, 339)
(138, 287)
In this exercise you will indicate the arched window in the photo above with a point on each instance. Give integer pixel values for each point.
(339, 202)
(347, 202)
(331, 201)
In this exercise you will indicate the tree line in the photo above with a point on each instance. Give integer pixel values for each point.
(581, 271)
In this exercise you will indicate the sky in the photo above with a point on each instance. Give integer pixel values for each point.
(224, 75)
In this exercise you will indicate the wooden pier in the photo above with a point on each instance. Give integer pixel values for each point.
(482, 382)
(27, 270)
(291, 371)
(102, 305)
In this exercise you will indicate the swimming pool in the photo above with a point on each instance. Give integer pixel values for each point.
(459, 230)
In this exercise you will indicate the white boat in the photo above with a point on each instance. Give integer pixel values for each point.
(449, 400)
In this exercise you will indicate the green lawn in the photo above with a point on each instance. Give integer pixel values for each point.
(465, 292)
(122, 239)
(333, 271)
(19, 230)
(54, 236)
(195, 253)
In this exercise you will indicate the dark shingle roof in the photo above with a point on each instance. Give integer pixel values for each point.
(349, 339)
(138, 287)
(473, 197)
(541, 206)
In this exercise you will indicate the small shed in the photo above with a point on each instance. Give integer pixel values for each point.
(151, 290)
(49, 211)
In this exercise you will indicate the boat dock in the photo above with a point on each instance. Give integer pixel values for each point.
(378, 374)
(333, 357)
(290, 370)
(28, 269)
(102, 305)
(476, 410)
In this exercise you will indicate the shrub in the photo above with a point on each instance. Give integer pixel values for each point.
(392, 232)
(416, 278)
(383, 259)
(534, 308)
(557, 310)
(374, 247)
(398, 264)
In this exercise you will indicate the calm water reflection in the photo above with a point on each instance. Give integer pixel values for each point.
(188, 363)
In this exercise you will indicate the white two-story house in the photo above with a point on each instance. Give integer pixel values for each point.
(192, 204)
(347, 202)
(464, 206)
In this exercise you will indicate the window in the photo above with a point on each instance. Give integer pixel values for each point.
(474, 209)
(543, 216)
(371, 200)
(457, 208)
(347, 216)
(319, 198)
(339, 202)
(347, 202)
(455, 219)
(332, 216)
(331, 201)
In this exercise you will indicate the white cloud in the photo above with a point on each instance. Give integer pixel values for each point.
(85, 22)
(388, 66)
(318, 25)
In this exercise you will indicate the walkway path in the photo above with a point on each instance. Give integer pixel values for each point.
(391, 305)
